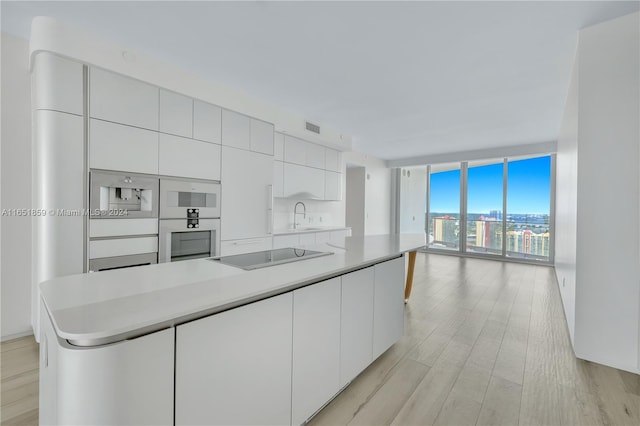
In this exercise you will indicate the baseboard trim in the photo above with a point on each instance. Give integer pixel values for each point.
(16, 335)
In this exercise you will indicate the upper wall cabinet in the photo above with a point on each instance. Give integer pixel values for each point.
(207, 122)
(295, 150)
(236, 130)
(58, 84)
(261, 137)
(315, 156)
(188, 158)
(278, 146)
(333, 160)
(121, 99)
(176, 114)
(116, 147)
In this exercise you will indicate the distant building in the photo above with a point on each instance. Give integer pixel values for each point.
(488, 233)
(528, 242)
(495, 214)
(445, 229)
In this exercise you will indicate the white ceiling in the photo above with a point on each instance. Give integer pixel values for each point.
(404, 78)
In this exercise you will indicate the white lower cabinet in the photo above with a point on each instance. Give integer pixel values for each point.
(316, 348)
(249, 245)
(388, 308)
(235, 367)
(356, 328)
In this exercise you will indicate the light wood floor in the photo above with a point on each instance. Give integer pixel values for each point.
(485, 343)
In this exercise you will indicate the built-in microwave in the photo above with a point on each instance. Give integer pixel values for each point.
(184, 239)
(189, 198)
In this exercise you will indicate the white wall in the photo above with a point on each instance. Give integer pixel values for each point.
(567, 203)
(413, 197)
(607, 213)
(355, 199)
(15, 275)
(377, 192)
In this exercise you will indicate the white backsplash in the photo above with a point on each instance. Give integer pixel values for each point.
(319, 213)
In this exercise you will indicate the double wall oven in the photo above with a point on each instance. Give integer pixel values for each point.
(189, 226)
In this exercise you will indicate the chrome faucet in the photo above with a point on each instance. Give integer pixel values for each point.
(295, 213)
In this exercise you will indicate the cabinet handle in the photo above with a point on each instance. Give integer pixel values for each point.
(269, 209)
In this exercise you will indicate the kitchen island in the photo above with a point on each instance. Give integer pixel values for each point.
(201, 342)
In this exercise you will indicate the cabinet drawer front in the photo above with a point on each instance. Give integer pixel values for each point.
(284, 241)
(231, 247)
(117, 147)
(122, 247)
(121, 99)
(176, 114)
(295, 150)
(207, 122)
(189, 158)
(117, 227)
(315, 156)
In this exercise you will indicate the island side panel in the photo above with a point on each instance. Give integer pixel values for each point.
(130, 382)
(388, 318)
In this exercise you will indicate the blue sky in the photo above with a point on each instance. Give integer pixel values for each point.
(528, 189)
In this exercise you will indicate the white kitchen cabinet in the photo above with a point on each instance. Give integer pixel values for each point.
(278, 146)
(183, 157)
(316, 348)
(339, 236)
(176, 114)
(261, 137)
(235, 367)
(388, 317)
(249, 245)
(315, 156)
(295, 150)
(114, 97)
(57, 84)
(207, 122)
(332, 186)
(278, 179)
(246, 203)
(323, 237)
(307, 239)
(283, 241)
(333, 160)
(236, 130)
(356, 326)
(303, 182)
(122, 246)
(117, 147)
(113, 228)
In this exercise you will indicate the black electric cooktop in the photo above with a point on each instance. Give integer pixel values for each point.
(262, 259)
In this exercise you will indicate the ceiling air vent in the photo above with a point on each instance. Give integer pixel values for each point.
(313, 128)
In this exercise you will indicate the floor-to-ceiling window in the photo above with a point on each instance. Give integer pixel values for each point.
(485, 182)
(529, 208)
(444, 206)
(497, 208)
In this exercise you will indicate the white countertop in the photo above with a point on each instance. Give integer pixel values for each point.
(305, 230)
(108, 306)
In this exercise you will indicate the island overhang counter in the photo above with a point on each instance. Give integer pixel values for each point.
(200, 342)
